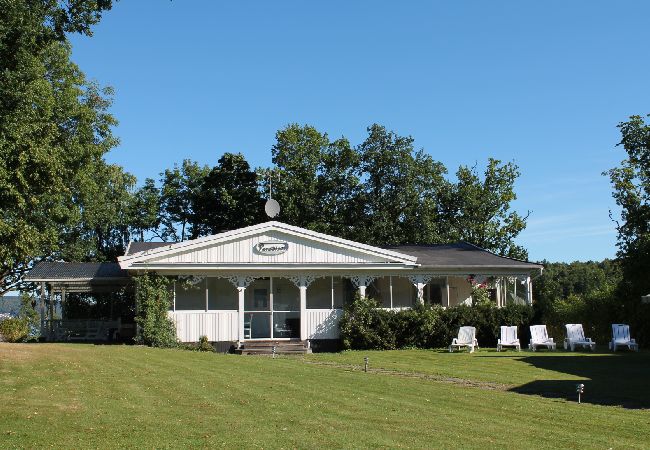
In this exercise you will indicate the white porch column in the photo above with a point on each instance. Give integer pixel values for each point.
(241, 292)
(174, 296)
(302, 282)
(497, 288)
(529, 285)
(362, 282)
(303, 310)
(419, 281)
(420, 288)
(206, 294)
(42, 308)
(445, 300)
(241, 283)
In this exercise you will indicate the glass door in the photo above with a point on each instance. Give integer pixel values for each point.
(286, 309)
(272, 309)
(257, 309)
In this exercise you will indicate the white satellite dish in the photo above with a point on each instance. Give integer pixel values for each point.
(272, 208)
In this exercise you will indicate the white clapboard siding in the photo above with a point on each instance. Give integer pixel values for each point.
(218, 326)
(323, 323)
(300, 250)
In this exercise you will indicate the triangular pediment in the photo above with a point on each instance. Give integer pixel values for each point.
(267, 244)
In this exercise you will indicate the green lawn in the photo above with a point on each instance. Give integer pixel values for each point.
(67, 395)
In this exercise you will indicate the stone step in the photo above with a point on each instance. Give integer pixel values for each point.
(266, 347)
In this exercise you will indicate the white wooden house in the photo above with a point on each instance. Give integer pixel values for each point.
(277, 281)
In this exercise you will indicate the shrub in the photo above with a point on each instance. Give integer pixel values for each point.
(153, 297)
(15, 329)
(363, 326)
(204, 345)
(420, 327)
(596, 311)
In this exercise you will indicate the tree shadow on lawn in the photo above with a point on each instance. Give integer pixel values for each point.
(609, 379)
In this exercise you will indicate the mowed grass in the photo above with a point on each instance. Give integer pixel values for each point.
(80, 396)
(621, 378)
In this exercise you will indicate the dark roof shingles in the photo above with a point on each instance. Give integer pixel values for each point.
(75, 270)
(459, 254)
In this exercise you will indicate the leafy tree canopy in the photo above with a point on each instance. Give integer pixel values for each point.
(180, 188)
(54, 130)
(228, 198)
(631, 190)
(477, 210)
(385, 192)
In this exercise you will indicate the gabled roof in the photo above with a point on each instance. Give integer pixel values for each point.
(461, 254)
(49, 271)
(140, 254)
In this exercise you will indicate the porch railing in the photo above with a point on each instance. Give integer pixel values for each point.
(81, 329)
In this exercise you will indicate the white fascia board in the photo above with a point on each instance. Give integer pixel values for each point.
(479, 270)
(254, 229)
(269, 267)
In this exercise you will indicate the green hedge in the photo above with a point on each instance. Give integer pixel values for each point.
(364, 326)
(596, 312)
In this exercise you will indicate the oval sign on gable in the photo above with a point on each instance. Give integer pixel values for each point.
(271, 248)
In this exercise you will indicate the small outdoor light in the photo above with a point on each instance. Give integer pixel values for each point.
(273, 351)
(365, 367)
(580, 389)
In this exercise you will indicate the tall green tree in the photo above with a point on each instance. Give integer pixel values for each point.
(54, 128)
(145, 210)
(101, 230)
(560, 281)
(297, 154)
(179, 191)
(228, 198)
(631, 190)
(399, 192)
(316, 180)
(477, 209)
(339, 188)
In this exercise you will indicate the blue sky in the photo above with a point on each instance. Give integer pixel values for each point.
(542, 84)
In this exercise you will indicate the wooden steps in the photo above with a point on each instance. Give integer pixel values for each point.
(266, 347)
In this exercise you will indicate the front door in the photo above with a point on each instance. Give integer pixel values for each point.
(271, 309)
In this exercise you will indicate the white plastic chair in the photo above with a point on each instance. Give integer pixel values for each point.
(508, 338)
(621, 337)
(575, 335)
(466, 338)
(539, 337)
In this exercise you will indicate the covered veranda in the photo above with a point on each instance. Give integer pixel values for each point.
(83, 301)
(308, 306)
